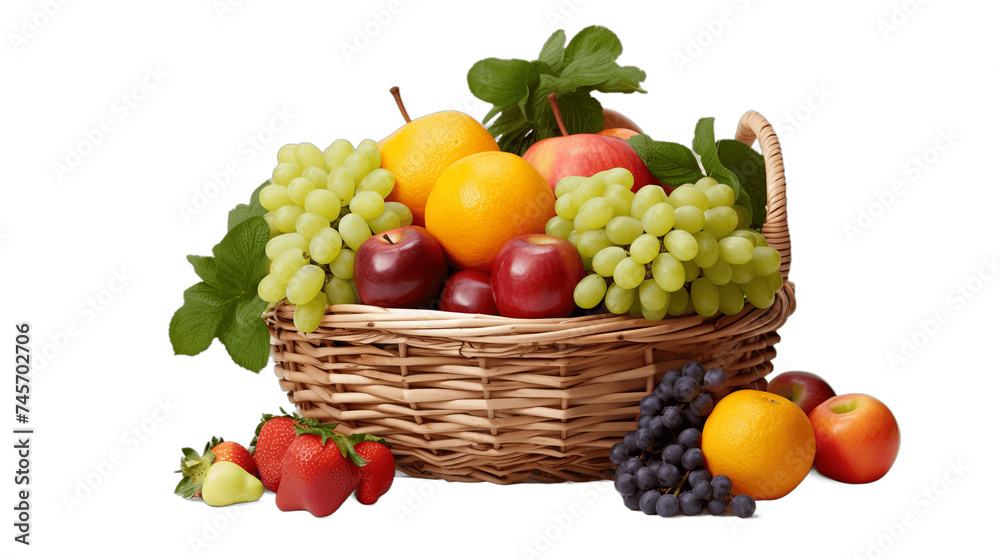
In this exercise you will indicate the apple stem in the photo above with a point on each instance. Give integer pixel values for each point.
(394, 90)
(386, 237)
(555, 111)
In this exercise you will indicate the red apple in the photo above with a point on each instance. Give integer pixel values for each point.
(802, 388)
(857, 438)
(585, 155)
(468, 291)
(534, 275)
(402, 267)
(623, 133)
(614, 119)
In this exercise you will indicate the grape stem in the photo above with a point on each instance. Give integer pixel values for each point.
(394, 90)
(681, 484)
(558, 115)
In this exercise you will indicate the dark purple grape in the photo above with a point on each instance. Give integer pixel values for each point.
(715, 380)
(644, 422)
(619, 453)
(629, 441)
(668, 380)
(690, 504)
(672, 454)
(743, 506)
(721, 486)
(645, 478)
(651, 405)
(694, 370)
(693, 459)
(689, 438)
(695, 476)
(717, 506)
(632, 502)
(630, 465)
(702, 405)
(658, 430)
(686, 389)
(703, 489)
(692, 419)
(643, 438)
(626, 485)
(672, 417)
(667, 505)
(647, 503)
(668, 475)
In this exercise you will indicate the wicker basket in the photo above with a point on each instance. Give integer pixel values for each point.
(484, 398)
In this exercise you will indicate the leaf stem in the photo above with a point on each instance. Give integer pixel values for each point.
(555, 111)
(394, 90)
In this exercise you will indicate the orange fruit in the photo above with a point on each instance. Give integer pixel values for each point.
(763, 442)
(483, 201)
(419, 151)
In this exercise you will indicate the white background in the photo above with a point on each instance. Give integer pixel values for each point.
(93, 257)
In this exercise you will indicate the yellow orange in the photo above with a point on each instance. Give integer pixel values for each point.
(763, 442)
(484, 200)
(419, 151)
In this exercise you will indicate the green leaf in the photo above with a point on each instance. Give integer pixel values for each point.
(704, 146)
(748, 166)
(501, 82)
(240, 259)
(245, 211)
(553, 50)
(591, 40)
(197, 322)
(671, 163)
(248, 343)
(204, 267)
(626, 81)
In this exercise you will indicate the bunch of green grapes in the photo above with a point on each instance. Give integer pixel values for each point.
(653, 255)
(321, 206)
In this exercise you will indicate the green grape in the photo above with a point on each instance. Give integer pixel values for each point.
(659, 219)
(286, 153)
(745, 234)
(354, 230)
(283, 242)
(758, 292)
(720, 195)
(379, 181)
(298, 188)
(719, 273)
(339, 291)
(287, 263)
(765, 260)
(681, 244)
(305, 284)
(758, 239)
(688, 196)
(342, 266)
(574, 237)
(607, 259)
(308, 224)
(618, 300)
(325, 245)
(341, 183)
(629, 273)
(371, 154)
(309, 315)
(401, 210)
(705, 297)
(270, 290)
(668, 272)
(645, 248)
(284, 217)
(586, 190)
(284, 173)
(587, 263)
(619, 176)
(708, 249)
(705, 182)
(679, 302)
(592, 242)
(620, 199)
(743, 219)
(720, 221)
(367, 204)
(691, 271)
(384, 222)
(731, 299)
(567, 184)
(324, 203)
(357, 164)
(272, 230)
(596, 212)
(635, 310)
(735, 250)
(564, 207)
(589, 291)
(645, 198)
(689, 218)
(742, 273)
(653, 314)
(652, 296)
(578, 225)
(623, 230)
(776, 280)
(316, 175)
(308, 155)
(558, 227)
(274, 196)
(691, 185)
(368, 142)
(336, 153)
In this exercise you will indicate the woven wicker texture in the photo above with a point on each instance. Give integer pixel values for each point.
(485, 398)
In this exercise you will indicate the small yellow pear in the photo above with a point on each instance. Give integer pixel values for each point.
(227, 483)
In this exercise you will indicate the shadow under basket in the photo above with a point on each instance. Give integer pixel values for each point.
(485, 398)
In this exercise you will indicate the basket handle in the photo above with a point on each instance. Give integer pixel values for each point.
(753, 126)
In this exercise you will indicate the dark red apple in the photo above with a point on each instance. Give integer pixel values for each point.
(534, 276)
(857, 438)
(468, 291)
(402, 267)
(802, 388)
(613, 119)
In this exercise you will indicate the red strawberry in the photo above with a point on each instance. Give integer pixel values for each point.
(377, 474)
(316, 473)
(273, 436)
(194, 466)
(235, 453)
